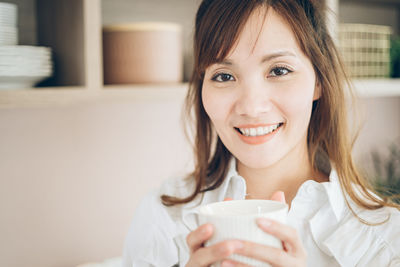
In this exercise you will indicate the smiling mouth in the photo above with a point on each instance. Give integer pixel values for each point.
(259, 131)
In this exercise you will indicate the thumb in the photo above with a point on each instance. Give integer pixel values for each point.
(279, 196)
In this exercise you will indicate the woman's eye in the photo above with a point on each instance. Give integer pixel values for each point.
(279, 71)
(223, 77)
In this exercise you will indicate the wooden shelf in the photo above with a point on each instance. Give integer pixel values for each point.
(146, 90)
(63, 96)
(394, 3)
(41, 97)
(60, 26)
(73, 29)
(145, 93)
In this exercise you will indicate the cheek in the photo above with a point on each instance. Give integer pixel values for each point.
(216, 104)
(298, 96)
(208, 102)
(295, 104)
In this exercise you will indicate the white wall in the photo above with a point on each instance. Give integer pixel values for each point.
(380, 127)
(71, 177)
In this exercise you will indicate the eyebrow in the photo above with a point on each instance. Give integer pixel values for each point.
(264, 59)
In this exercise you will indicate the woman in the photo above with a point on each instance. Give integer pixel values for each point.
(268, 97)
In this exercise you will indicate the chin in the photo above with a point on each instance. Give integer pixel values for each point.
(257, 162)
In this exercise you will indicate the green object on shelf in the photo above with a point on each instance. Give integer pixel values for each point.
(387, 173)
(395, 57)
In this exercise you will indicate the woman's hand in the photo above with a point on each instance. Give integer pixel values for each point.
(205, 256)
(293, 253)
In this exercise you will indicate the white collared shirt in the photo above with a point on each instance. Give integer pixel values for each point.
(331, 234)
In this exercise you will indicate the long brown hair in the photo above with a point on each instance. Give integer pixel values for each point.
(218, 25)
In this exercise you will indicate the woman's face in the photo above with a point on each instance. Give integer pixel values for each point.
(259, 98)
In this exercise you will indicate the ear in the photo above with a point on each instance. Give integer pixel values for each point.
(317, 90)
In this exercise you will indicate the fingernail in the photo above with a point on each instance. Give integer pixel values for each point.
(264, 222)
(227, 264)
(205, 229)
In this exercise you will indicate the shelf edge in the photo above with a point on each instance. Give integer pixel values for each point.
(368, 88)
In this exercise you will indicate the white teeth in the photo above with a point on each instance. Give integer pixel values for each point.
(259, 130)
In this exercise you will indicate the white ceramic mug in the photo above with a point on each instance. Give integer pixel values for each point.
(236, 219)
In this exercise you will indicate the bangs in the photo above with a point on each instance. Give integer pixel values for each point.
(213, 41)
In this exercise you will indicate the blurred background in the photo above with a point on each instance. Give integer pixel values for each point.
(90, 117)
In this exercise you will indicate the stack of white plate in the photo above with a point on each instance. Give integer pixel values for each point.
(8, 24)
(24, 66)
(20, 66)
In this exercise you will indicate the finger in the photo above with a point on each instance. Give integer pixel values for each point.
(196, 238)
(285, 233)
(279, 196)
(208, 255)
(268, 254)
(274, 256)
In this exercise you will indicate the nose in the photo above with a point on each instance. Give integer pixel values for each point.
(254, 100)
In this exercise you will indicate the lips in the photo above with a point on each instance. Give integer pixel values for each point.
(258, 130)
(258, 134)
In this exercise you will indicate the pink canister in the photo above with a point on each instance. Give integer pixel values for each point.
(145, 52)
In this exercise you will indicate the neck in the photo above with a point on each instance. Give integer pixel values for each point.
(286, 175)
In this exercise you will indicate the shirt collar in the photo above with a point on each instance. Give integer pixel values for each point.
(234, 186)
(331, 188)
(335, 194)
